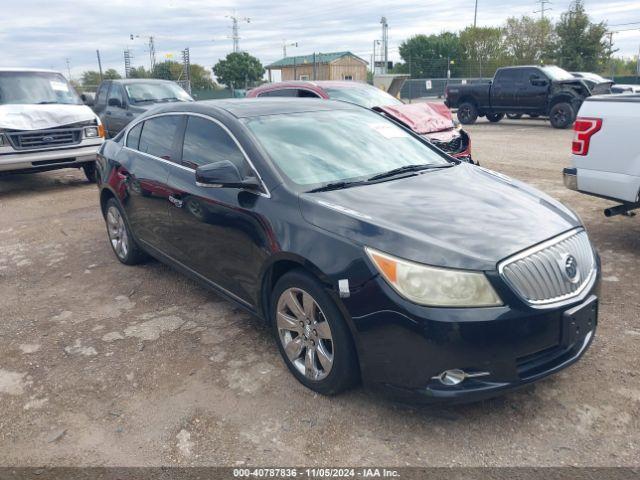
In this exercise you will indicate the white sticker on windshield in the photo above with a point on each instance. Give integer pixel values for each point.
(59, 86)
(388, 130)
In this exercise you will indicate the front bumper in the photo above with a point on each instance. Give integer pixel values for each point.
(34, 160)
(403, 347)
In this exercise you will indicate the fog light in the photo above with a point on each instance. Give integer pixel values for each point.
(456, 376)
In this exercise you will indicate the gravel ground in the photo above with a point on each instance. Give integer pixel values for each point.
(102, 364)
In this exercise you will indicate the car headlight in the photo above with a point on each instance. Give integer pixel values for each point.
(435, 286)
(91, 132)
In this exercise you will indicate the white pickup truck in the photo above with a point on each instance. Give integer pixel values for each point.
(44, 125)
(606, 151)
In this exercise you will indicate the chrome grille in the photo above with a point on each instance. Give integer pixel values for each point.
(541, 275)
(54, 137)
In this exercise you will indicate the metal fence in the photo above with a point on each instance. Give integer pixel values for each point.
(432, 87)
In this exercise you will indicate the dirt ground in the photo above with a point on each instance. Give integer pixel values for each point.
(102, 364)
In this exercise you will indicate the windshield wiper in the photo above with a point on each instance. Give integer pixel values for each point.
(406, 169)
(337, 186)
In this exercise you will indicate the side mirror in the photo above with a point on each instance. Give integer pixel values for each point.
(88, 100)
(538, 82)
(224, 174)
(114, 102)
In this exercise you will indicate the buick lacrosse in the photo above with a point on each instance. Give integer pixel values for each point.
(372, 255)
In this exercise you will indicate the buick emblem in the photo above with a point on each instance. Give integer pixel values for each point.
(569, 267)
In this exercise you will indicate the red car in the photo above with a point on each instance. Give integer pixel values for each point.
(431, 120)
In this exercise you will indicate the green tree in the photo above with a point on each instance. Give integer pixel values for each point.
(201, 78)
(238, 69)
(483, 50)
(111, 74)
(581, 44)
(168, 70)
(90, 78)
(139, 72)
(426, 55)
(528, 40)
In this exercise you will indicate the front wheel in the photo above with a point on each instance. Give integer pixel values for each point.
(495, 117)
(467, 113)
(312, 335)
(561, 115)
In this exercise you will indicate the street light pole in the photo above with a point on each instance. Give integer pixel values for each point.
(475, 15)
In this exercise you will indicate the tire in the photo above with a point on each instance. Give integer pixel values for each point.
(514, 116)
(90, 171)
(122, 242)
(467, 113)
(562, 115)
(495, 117)
(312, 335)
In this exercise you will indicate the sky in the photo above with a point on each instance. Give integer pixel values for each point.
(44, 34)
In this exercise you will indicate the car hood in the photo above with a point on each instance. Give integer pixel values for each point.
(40, 117)
(421, 117)
(460, 217)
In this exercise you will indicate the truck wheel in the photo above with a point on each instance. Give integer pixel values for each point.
(562, 115)
(467, 113)
(495, 117)
(90, 171)
(514, 116)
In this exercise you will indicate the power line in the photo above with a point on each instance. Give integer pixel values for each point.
(235, 35)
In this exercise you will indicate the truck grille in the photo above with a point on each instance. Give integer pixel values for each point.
(38, 139)
(554, 271)
(453, 146)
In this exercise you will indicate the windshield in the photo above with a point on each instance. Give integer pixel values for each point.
(141, 92)
(320, 147)
(557, 73)
(365, 96)
(34, 88)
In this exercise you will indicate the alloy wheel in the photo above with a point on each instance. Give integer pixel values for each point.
(117, 232)
(305, 334)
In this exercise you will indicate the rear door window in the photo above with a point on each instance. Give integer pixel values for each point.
(101, 96)
(159, 135)
(133, 139)
(285, 92)
(507, 76)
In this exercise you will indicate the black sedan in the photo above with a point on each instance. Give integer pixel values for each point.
(372, 254)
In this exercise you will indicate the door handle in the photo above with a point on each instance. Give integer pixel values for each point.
(108, 112)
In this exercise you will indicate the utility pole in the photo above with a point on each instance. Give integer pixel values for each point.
(186, 69)
(385, 43)
(285, 45)
(68, 67)
(543, 8)
(373, 63)
(235, 35)
(127, 62)
(152, 53)
(475, 15)
(99, 63)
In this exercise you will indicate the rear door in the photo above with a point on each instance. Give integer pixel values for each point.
(151, 147)
(216, 232)
(504, 89)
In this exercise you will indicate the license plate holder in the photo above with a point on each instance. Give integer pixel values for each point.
(579, 320)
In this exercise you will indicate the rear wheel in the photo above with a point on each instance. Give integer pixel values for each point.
(120, 238)
(495, 117)
(312, 335)
(561, 115)
(90, 171)
(467, 113)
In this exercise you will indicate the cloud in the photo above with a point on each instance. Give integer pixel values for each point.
(38, 33)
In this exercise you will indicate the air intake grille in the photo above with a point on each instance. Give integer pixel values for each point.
(45, 138)
(557, 270)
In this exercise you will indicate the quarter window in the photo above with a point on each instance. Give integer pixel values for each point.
(206, 142)
(158, 136)
(133, 139)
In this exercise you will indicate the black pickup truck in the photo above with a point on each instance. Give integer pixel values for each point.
(547, 91)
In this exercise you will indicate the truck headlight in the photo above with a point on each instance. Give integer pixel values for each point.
(435, 286)
(91, 132)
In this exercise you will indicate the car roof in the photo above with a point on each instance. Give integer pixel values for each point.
(255, 107)
(138, 80)
(40, 70)
(313, 83)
